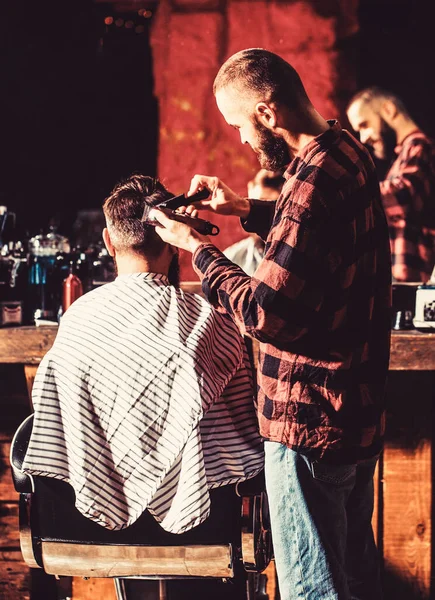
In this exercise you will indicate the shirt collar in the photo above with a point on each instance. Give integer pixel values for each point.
(151, 277)
(320, 142)
(399, 147)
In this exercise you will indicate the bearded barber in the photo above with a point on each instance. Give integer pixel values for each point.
(408, 191)
(319, 306)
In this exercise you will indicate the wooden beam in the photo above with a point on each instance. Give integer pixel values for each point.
(14, 576)
(7, 490)
(91, 589)
(9, 534)
(407, 490)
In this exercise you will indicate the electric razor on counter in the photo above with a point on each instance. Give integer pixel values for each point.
(169, 207)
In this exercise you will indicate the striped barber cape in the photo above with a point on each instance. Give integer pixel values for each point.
(145, 401)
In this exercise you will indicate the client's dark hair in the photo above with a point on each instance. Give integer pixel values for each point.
(124, 208)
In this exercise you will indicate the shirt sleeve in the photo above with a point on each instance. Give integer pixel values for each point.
(407, 190)
(260, 217)
(280, 303)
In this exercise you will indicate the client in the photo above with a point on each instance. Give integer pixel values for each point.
(145, 400)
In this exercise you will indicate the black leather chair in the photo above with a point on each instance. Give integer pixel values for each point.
(57, 538)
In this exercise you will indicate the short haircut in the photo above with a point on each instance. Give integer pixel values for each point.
(123, 210)
(264, 74)
(368, 94)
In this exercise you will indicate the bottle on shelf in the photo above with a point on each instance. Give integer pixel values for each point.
(47, 270)
(103, 269)
(7, 226)
(13, 284)
(83, 269)
(72, 289)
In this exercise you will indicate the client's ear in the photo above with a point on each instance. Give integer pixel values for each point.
(108, 242)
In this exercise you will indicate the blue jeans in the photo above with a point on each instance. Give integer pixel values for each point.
(321, 527)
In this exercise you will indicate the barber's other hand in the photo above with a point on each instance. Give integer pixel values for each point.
(222, 201)
(177, 234)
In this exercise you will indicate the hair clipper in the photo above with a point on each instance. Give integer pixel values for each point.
(169, 208)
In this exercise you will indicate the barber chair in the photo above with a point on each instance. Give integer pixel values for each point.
(233, 542)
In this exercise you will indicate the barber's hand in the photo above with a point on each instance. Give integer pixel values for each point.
(222, 201)
(177, 234)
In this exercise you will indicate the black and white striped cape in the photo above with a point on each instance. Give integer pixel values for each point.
(145, 400)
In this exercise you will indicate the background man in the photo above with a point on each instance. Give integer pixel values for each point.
(408, 191)
(145, 400)
(319, 305)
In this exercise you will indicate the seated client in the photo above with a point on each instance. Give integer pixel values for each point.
(145, 400)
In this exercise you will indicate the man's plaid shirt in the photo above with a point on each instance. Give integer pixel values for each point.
(408, 196)
(319, 303)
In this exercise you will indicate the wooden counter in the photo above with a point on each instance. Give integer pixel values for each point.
(404, 489)
(410, 350)
(25, 345)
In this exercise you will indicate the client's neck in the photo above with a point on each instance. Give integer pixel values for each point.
(134, 263)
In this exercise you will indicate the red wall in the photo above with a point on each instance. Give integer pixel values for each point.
(191, 39)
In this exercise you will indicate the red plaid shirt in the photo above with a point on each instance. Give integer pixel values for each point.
(319, 303)
(408, 195)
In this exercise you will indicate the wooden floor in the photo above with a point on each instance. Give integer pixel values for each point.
(15, 583)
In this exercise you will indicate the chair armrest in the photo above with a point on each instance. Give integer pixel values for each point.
(30, 549)
(23, 483)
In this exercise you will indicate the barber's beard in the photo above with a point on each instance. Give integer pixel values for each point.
(389, 140)
(272, 151)
(174, 272)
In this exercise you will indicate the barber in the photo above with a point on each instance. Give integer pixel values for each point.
(319, 306)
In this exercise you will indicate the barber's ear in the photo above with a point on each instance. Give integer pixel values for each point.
(108, 242)
(388, 110)
(266, 114)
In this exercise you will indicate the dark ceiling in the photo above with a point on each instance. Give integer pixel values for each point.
(77, 104)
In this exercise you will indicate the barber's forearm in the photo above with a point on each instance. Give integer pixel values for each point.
(208, 255)
(194, 243)
(232, 292)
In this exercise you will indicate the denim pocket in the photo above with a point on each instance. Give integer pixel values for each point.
(334, 474)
